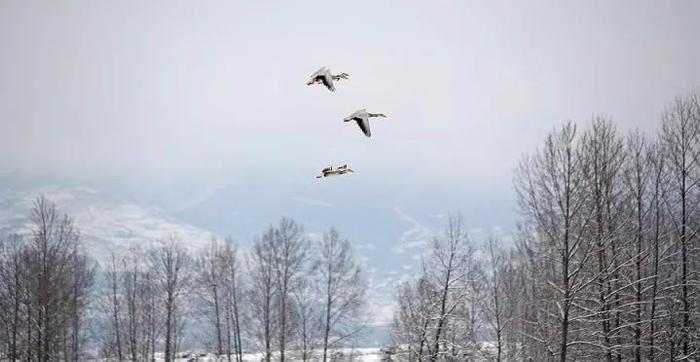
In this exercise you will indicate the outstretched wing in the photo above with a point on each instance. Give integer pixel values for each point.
(354, 115)
(363, 122)
(318, 72)
(327, 80)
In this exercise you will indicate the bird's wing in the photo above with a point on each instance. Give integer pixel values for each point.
(363, 122)
(318, 72)
(327, 80)
(356, 114)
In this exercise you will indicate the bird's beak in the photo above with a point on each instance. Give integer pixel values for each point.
(382, 115)
(346, 120)
(310, 82)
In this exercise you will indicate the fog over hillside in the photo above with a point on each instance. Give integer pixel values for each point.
(105, 224)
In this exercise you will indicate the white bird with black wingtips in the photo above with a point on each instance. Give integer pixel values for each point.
(362, 118)
(325, 77)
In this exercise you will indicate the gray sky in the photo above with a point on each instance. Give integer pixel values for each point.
(201, 93)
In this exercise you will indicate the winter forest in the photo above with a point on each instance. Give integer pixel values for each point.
(604, 266)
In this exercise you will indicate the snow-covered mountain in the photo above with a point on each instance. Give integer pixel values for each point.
(105, 223)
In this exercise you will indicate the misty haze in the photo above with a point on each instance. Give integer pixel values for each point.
(358, 181)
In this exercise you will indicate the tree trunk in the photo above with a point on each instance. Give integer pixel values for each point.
(218, 322)
(115, 314)
(327, 327)
(168, 328)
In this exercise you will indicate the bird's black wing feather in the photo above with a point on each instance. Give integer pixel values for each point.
(364, 125)
(328, 82)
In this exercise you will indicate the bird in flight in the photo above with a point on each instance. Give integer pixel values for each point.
(324, 76)
(362, 118)
(330, 171)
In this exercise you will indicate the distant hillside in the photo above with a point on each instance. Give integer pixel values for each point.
(104, 223)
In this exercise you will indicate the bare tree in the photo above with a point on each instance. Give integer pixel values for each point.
(82, 280)
(134, 293)
(113, 277)
(289, 252)
(603, 153)
(50, 276)
(263, 289)
(11, 293)
(169, 262)
(552, 194)
(412, 320)
(309, 306)
(148, 301)
(218, 282)
(680, 137)
(498, 313)
(659, 241)
(637, 182)
(209, 280)
(438, 317)
(343, 288)
(517, 291)
(447, 270)
(233, 285)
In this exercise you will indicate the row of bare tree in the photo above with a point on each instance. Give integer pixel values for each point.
(45, 279)
(141, 301)
(605, 264)
(309, 296)
(287, 294)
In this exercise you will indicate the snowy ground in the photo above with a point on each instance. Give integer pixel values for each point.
(372, 354)
(357, 355)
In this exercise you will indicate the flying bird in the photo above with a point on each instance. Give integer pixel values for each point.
(362, 118)
(329, 171)
(324, 76)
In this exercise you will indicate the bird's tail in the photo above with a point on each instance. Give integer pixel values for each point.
(341, 76)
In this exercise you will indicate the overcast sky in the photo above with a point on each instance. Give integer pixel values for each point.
(201, 93)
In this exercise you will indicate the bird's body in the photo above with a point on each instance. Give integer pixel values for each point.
(325, 77)
(330, 171)
(362, 118)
